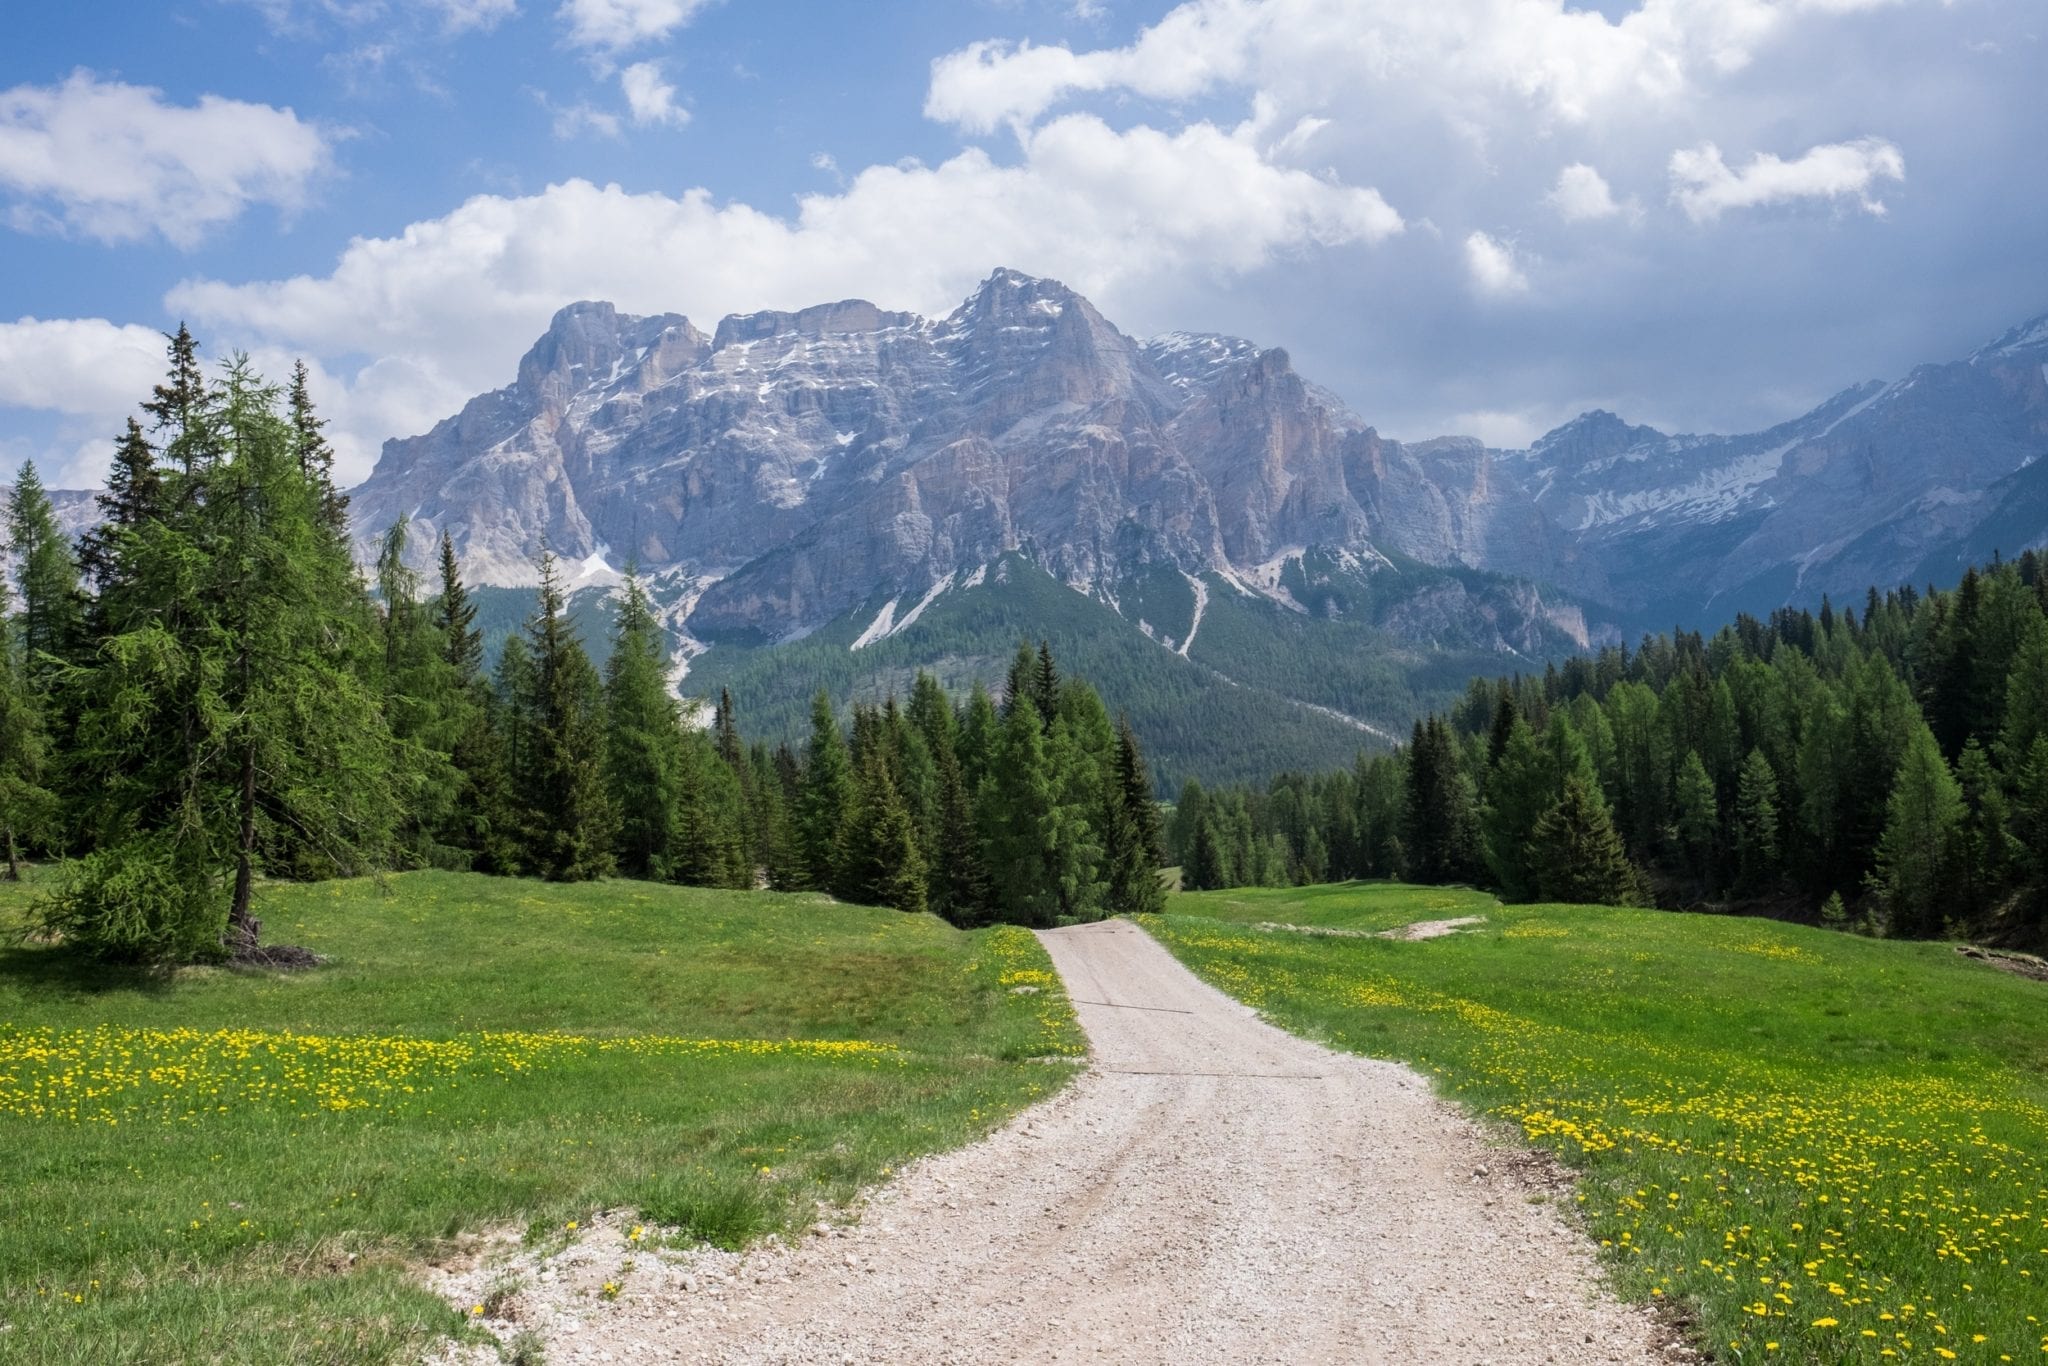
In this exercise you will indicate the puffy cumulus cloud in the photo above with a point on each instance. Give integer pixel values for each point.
(1582, 195)
(650, 99)
(82, 367)
(1705, 186)
(1492, 266)
(615, 25)
(448, 305)
(1566, 62)
(87, 374)
(118, 162)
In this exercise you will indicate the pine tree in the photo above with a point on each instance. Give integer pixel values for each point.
(1132, 841)
(827, 794)
(569, 820)
(1204, 871)
(1020, 823)
(1045, 683)
(1578, 856)
(133, 496)
(775, 850)
(1440, 829)
(231, 698)
(1756, 823)
(424, 705)
(52, 608)
(28, 807)
(879, 860)
(1523, 785)
(1699, 818)
(643, 741)
(962, 890)
(185, 406)
(1020, 685)
(1986, 854)
(315, 456)
(1915, 856)
(462, 644)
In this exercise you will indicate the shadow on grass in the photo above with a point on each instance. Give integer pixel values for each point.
(54, 969)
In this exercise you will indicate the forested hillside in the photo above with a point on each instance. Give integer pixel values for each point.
(1886, 766)
(205, 692)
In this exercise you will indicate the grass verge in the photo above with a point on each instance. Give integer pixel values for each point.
(239, 1166)
(1828, 1149)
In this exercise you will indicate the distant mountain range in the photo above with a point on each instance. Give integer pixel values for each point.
(843, 494)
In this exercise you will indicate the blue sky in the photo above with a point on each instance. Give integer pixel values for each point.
(1472, 215)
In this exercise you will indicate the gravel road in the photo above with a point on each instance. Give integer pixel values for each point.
(1211, 1190)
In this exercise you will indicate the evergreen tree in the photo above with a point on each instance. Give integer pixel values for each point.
(1131, 836)
(133, 496)
(455, 618)
(1204, 870)
(1699, 819)
(962, 890)
(1915, 857)
(1756, 823)
(1020, 823)
(568, 816)
(423, 706)
(880, 863)
(1524, 785)
(827, 794)
(49, 624)
(643, 741)
(1577, 854)
(27, 806)
(1440, 829)
(1045, 683)
(1986, 853)
(230, 697)
(184, 405)
(315, 456)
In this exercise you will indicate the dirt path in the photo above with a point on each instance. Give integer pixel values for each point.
(1212, 1190)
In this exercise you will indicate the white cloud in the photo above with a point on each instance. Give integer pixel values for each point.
(1582, 195)
(84, 367)
(460, 16)
(615, 25)
(449, 304)
(650, 99)
(117, 162)
(1492, 266)
(1703, 184)
(574, 120)
(1566, 62)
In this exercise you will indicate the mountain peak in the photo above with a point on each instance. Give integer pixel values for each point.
(1593, 435)
(848, 316)
(2028, 336)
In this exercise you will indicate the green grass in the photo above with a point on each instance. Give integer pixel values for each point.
(239, 1166)
(1826, 1148)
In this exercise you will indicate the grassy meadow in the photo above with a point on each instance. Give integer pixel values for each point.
(1823, 1148)
(244, 1166)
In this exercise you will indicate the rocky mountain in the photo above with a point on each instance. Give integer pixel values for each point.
(1881, 484)
(849, 474)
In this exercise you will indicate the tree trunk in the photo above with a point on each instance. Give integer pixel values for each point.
(13, 856)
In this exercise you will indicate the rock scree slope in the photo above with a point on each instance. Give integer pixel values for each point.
(1212, 1189)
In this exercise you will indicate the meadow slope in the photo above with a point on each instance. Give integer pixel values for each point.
(239, 1166)
(1816, 1146)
